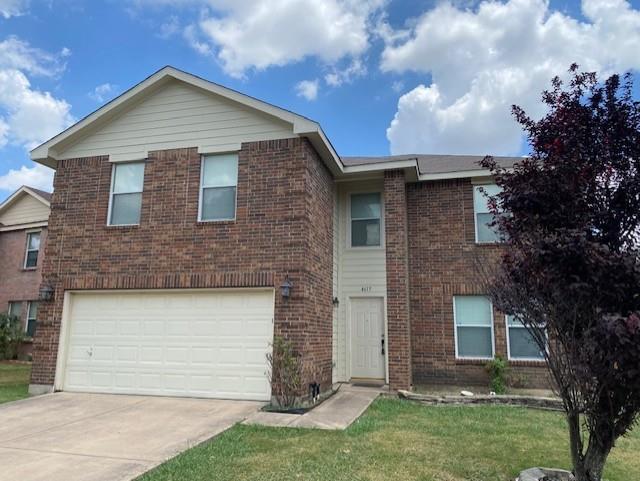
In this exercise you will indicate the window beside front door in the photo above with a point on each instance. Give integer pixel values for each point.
(33, 247)
(521, 341)
(15, 309)
(125, 201)
(485, 233)
(218, 187)
(32, 314)
(473, 317)
(365, 219)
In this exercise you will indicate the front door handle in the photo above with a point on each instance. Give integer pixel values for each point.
(382, 340)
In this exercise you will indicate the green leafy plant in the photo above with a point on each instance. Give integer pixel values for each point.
(498, 369)
(11, 335)
(285, 372)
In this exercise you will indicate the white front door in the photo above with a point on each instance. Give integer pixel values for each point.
(201, 343)
(368, 346)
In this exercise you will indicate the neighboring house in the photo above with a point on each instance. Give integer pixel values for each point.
(190, 223)
(23, 229)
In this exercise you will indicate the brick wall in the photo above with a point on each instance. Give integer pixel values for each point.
(398, 325)
(17, 283)
(443, 259)
(280, 184)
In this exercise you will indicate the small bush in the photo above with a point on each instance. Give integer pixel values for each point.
(285, 372)
(498, 369)
(11, 335)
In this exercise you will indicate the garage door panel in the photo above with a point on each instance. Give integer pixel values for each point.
(205, 343)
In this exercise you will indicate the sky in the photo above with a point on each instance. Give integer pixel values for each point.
(381, 76)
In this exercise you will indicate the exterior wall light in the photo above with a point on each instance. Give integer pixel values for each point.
(45, 293)
(285, 288)
(336, 301)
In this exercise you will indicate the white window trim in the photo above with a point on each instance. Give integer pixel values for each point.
(111, 193)
(455, 332)
(509, 356)
(349, 221)
(202, 187)
(26, 324)
(27, 250)
(475, 214)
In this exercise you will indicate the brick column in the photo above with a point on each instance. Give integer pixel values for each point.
(395, 219)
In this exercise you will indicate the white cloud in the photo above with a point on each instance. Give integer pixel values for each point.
(484, 60)
(257, 34)
(191, 35)
(170, 27)
(13, 8)
(397, 86)
(32, 116)
(29, 116)
(337, 76)
(308, 89)
(38, 176)
(102, 92)
(18, 54)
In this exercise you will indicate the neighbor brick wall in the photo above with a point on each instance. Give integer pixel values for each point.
(398, 317)
(280, 184)
(17, 283)
(442, 263)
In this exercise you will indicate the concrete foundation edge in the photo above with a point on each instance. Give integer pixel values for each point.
(38, 389)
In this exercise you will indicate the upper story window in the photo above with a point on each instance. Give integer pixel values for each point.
(366, 214)
(33, 247)
(218, 186)
(473, 316)
(521, 343)
(484, 232)
(125, 201)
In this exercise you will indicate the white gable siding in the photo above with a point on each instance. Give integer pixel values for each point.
(177, 116)
(24, 210)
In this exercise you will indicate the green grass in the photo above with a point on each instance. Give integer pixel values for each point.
(14, 381)
(396, 440)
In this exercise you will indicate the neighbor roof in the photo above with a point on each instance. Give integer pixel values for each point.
(41, 195)
(433, 164)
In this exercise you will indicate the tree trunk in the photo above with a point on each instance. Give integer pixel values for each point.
(587, 466)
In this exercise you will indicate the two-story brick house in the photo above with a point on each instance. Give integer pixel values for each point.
(23, 229)
(190, 223)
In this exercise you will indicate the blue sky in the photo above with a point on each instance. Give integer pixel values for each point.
(381, 76)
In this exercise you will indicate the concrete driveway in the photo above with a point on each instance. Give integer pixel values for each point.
(71, 437)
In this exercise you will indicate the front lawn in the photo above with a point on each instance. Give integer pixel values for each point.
(396, 440)
(14, 381)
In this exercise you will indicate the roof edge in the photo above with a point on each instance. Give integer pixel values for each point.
(46, 152)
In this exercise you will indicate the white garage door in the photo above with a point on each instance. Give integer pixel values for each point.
(177, 343)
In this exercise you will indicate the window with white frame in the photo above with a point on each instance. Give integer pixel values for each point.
(125, 201)
(32, 314)
(473, 317)
(366, 215)
(481, 194)
(15, 309)
(218, 187)
(33, 247)
(521, 342)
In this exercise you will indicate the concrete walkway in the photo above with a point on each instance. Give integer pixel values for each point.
(337, 412)
(97, 437)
